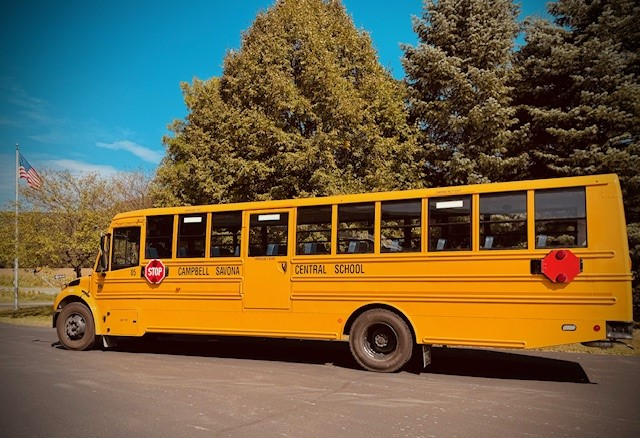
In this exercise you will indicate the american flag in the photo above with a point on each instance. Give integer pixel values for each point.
(29, 173)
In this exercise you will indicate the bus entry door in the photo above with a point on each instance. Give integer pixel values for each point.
(267, 269)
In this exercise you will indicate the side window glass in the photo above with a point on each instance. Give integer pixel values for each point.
(503, 221)
(401, 226)
(126, 248)
(268, 234)
(192, 230)
(561, 219)
(313, 230)
(450, 224)
(226, 230)
(356, 228)
(159, 237)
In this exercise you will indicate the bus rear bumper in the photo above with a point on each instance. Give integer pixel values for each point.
(617, 331)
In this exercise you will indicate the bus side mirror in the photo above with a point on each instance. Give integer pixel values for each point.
(104, 254)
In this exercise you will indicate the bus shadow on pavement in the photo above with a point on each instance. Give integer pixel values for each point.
(446, 361)
(504, 365)
(237, 347)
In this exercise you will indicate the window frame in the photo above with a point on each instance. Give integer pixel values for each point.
(162, 251)
(191, 240)
(523, 241)
(267, 246)
(134, 257)
(581, 231)
(442, 240)
(391, 245)
(322, 230)
(356, 244)
(236, 236)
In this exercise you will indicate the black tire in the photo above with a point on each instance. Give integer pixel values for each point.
(381, 341)
(75, 327)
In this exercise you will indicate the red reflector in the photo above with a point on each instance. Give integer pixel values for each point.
(596, 328)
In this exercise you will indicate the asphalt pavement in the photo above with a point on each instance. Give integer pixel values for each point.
(241, 387)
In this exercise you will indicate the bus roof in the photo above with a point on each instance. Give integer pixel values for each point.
(381, 196)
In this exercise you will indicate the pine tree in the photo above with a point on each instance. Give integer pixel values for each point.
(579, 98)
(459, 95)
(579, 93)
(303, 108)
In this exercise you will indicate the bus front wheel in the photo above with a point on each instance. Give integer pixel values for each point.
(75, 327)
(381, 341)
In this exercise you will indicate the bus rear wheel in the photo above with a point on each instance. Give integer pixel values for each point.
(381, 341)
(75, 327)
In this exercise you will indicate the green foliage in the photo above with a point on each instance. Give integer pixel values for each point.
(60, 224)
(302, 109)
(459, 95)
(7, 240)
(578, 98)
(305, 109)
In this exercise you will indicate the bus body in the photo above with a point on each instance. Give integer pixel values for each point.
(517, 265)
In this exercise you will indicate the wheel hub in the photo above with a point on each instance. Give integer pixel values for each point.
(75, 327)
(381, 340)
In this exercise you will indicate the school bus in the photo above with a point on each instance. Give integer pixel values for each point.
(515, 265)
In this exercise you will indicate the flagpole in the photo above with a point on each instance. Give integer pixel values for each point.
(15, 274)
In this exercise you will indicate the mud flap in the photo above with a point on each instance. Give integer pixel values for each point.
(426, 355)
(109, 341)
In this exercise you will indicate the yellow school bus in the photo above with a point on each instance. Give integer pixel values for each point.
(520, 265)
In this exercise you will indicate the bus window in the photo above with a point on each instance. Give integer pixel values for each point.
(503, 221)
(159, 237)
(268, 234)
(356, 228)
(126, 248)
(450, 224)
(192, 230)
(400, 226)
(226, 229)
(313, 230)
(561, 219)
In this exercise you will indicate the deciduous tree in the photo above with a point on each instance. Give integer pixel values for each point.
(60, 223)
(303, 108)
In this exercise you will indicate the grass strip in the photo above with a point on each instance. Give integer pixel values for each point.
(36, 315)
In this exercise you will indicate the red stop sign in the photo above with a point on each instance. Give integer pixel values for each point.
(561, 266)
(155, 271)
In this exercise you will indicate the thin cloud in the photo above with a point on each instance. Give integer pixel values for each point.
(10, 123)
(54, 136)
(79, 167)
(31, 109)
(142, 152)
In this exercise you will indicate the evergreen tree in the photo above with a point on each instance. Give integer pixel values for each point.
(302, 109)
(459, 95)
(579, 98)
(579, 94)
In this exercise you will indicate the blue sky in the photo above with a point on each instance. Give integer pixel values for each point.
(92, 85)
